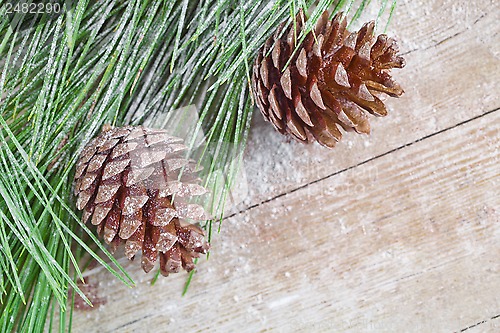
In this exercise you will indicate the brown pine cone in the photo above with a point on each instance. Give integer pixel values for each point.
(333, 77)
(126, 182)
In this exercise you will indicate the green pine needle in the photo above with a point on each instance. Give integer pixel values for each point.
(117, 62)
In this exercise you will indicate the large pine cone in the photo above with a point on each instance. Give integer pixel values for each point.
(333, 77)
(126, 181)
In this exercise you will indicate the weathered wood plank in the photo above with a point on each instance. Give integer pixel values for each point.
(407, 242)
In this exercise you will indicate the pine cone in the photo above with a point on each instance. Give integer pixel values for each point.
(333, 77)
(126, 181)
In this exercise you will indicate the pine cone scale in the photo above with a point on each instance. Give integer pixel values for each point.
(86, 181)
(101, 212)
(82, 200)
(115, 167)
(170, 262)
(96, 162)
(164, 238)
(130, 224)
(149, 254)
(135, 242)
(112, 225)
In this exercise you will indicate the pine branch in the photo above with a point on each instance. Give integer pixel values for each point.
(118, 62)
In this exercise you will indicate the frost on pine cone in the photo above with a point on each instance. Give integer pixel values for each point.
(126, 182)
(330, 80)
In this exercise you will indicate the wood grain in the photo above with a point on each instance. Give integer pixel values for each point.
(395, 232)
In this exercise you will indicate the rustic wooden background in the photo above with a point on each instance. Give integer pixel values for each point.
(398, 231)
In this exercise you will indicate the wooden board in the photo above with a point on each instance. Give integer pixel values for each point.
(395, 232)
